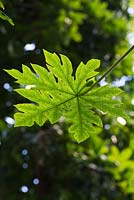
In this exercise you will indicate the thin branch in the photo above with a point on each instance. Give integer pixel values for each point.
(111, 68)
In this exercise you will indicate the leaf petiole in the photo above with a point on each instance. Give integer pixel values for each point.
(110, 69)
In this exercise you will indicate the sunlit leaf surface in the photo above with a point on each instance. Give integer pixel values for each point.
(55, 92)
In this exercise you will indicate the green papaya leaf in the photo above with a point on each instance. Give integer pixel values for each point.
(55, 92)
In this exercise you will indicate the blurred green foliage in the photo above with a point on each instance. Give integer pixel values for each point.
(4, 16)
(1, 5)
(99, 168)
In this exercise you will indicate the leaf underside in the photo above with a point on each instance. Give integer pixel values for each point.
(55, 92)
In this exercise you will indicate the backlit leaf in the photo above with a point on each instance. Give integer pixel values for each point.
(55, 92)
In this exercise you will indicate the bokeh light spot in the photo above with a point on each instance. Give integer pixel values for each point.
(36, 181)
(24, 189)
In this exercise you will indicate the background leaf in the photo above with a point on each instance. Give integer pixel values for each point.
(2, 5)
(5, 17)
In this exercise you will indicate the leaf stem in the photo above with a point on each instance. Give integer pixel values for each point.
(111, 68)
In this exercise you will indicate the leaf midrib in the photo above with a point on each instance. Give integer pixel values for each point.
(79, 112)
(58, 104)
